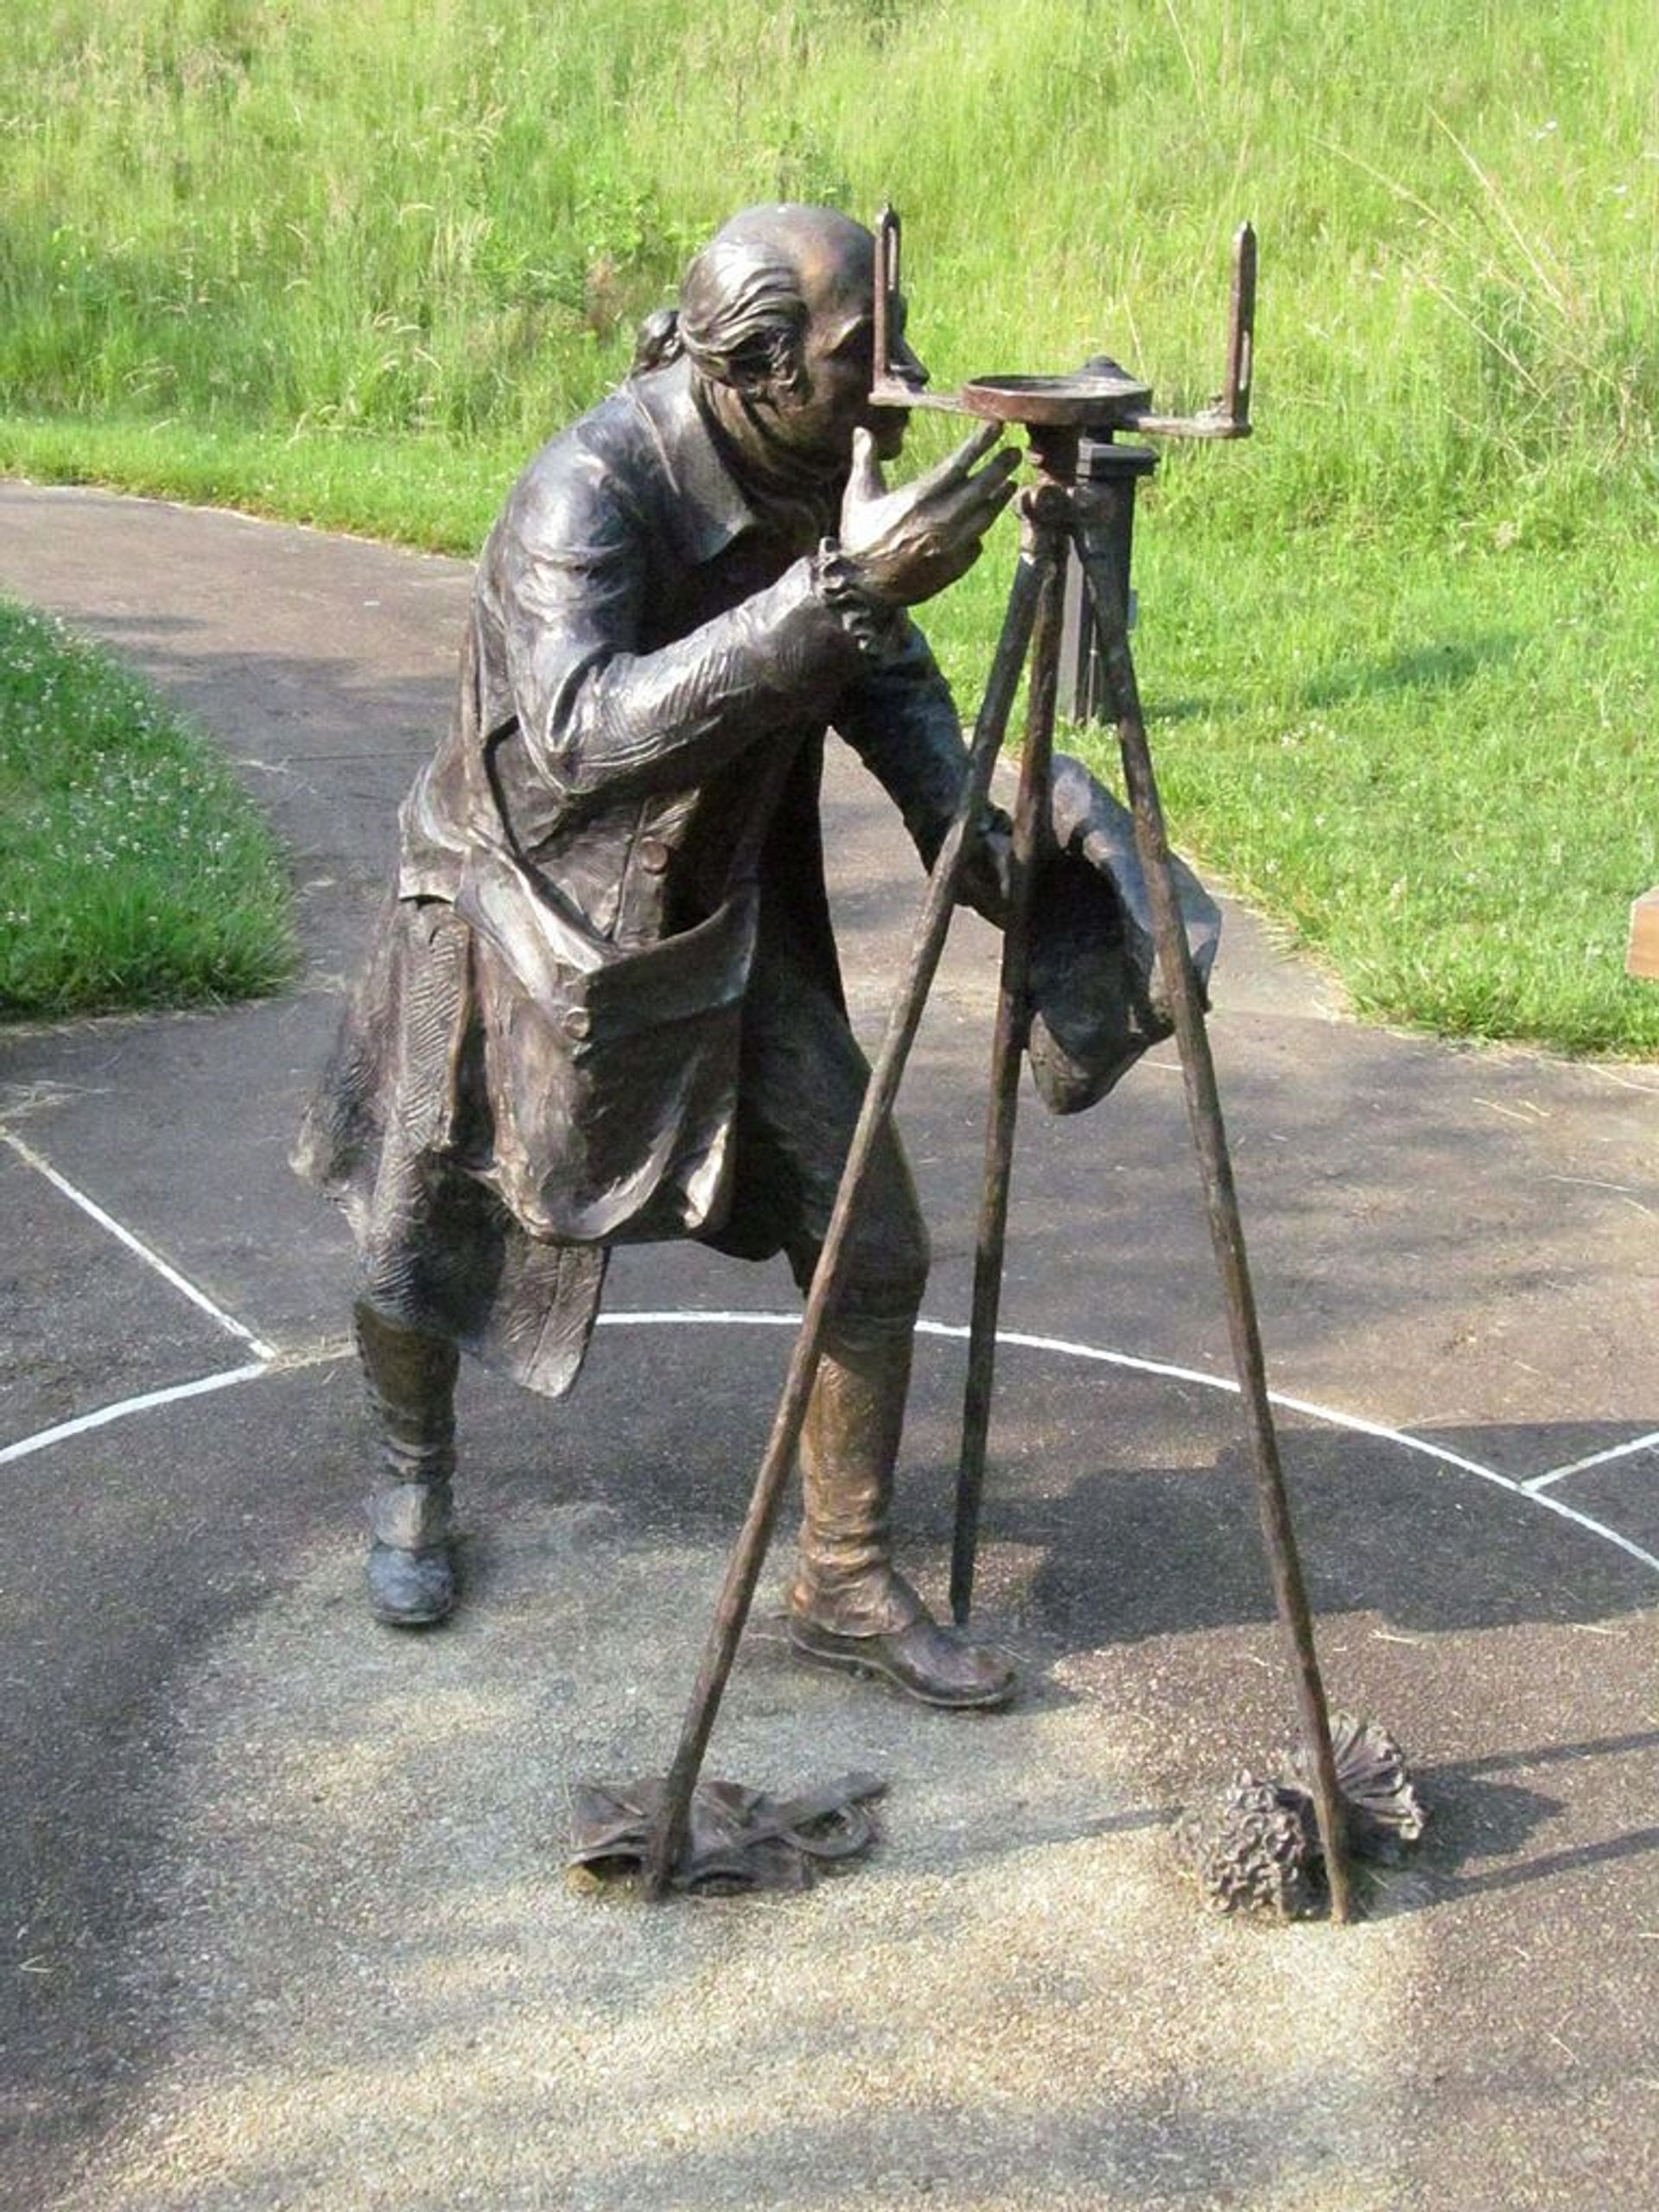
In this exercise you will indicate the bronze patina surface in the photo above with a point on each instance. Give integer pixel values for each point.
(603, 1003)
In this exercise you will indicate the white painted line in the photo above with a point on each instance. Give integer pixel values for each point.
(700, 1318)
(1354, 1422)
(323, 1354)
(1070, 1350)
(136, 1245)
(1596, 1528)
(1019, 1339)
(1227, 1383)
(120, 1411)
(1596, 1459)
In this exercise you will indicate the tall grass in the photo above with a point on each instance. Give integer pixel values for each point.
(134, 870)
(351, 258)
(446, 215)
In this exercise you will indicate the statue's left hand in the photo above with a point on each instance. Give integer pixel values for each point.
(985, 882)
(908, 544)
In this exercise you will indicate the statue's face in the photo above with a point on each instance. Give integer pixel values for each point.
(831, 398)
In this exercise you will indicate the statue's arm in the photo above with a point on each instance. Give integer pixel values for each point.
(598, 714)
(902, 722)
(900, 719)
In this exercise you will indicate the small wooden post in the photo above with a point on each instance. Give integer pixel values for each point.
(1642, 956)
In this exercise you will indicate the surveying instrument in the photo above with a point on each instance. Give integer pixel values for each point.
(1079, 519)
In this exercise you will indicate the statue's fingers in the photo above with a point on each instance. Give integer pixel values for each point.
(976, 504)
(957, 467)
(996, 478)
(988, 492)
(996, 485)
(866, 482)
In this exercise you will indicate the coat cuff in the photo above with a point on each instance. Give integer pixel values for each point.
(876, 628)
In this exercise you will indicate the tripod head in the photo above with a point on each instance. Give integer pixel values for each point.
(1100, 399)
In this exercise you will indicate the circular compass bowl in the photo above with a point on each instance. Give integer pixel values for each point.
(1074, 400)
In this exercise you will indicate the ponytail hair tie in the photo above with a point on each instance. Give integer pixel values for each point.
(658, 342)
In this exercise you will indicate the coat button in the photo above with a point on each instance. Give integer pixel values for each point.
(577, 1023)
(652, 854)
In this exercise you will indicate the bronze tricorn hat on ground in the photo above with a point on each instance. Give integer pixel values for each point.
(1097, 1001)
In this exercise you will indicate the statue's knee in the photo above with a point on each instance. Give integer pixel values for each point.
(411, 1377)
(888, 1274)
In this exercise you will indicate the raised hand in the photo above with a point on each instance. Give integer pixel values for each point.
(910, 543)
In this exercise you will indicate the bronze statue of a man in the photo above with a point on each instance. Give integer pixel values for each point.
(603, 1005)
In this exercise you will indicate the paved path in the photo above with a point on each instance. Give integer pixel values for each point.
(284, 1891)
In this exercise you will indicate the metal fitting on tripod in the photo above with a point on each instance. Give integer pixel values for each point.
(1048, 505)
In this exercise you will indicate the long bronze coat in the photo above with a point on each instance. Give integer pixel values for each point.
(541, 1057)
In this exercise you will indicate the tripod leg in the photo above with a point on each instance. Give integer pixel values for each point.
(748, 1555)
(1226, 1229)
(1030, 825)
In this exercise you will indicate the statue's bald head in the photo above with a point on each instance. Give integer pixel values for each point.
(777, 318)
(748, 297)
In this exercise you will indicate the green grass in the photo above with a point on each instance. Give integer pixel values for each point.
(133, 870)
(350, 262)
(438, 494)
(1440, 774)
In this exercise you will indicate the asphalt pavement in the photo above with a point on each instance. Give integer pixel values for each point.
(284, 1891)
